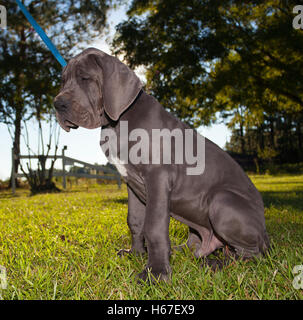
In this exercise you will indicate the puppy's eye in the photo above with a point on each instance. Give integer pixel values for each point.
(85, 78)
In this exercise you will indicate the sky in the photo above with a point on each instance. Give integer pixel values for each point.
(83, 144)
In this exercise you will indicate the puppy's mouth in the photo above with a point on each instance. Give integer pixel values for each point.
(70, 125)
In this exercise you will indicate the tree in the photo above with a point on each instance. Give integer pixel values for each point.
(239, 59)
(40, 179)
(29, 74)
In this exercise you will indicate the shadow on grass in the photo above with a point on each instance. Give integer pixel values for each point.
(25, 193)
(291, 199)
(7, 194)
(277, 198)
(283, 183)
(118, 201)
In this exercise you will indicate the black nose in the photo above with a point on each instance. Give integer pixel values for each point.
(60, 104)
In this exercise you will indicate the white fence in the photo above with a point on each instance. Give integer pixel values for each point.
(67, 161)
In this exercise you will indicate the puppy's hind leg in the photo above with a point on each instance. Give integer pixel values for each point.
(210, 242)
(240, 224)
(194, 241)
(223, 257)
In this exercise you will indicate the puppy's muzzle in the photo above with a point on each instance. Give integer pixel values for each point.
(61, 104)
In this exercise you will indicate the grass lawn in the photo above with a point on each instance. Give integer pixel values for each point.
(64, 246)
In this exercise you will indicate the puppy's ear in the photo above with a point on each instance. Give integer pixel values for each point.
(120, 85)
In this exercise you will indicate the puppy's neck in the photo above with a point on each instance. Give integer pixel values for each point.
(107, 122)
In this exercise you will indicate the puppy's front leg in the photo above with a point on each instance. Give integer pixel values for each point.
(156, 224)
(135, 221)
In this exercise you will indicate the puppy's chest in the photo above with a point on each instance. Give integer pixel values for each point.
(132, 177)
(109, 145)
(129, 172)
(120, 165)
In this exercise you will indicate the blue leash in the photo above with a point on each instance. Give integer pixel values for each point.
(42, 34)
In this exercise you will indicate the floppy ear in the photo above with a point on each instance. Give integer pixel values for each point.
(120, 85)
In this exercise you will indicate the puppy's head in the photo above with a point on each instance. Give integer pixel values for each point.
(95, 87)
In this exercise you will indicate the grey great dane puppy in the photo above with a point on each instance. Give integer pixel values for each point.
(220, 205)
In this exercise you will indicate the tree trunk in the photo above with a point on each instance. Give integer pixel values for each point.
(248, 133)
(260, 137)
(272, 133)
(16, 142)
(242, 138)
(299, 135)
(288, 138)
(19, 103)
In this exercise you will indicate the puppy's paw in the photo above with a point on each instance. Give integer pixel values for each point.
(214, 264)
(154, 277)
(124, 252)
(181, 247)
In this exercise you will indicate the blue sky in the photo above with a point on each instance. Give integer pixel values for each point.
(83, 144)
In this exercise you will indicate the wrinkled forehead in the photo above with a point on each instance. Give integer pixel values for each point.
(79, 65)
(68, 70)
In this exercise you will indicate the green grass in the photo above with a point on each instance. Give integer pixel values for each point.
(64, 246)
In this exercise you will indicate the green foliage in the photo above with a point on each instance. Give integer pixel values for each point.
(267, 153)
(239, 60)
(29, 74)
(274, 169)
(167, 37)
(64, 246)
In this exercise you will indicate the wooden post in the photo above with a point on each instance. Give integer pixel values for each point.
(63, 167)
(13, 172)
(119, 182)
